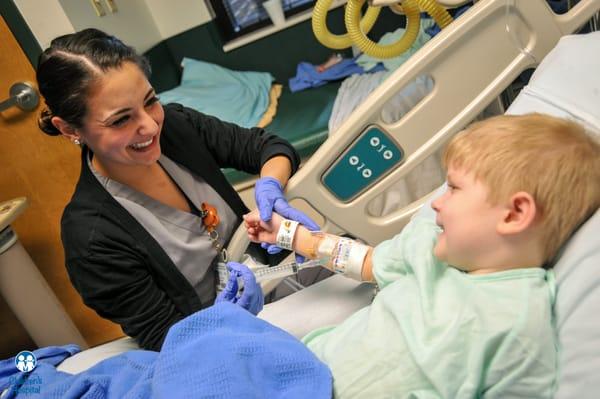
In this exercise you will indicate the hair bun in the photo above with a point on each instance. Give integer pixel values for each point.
(45, 123)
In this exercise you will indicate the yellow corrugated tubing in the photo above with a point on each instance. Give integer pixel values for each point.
(338, 42)
(357, 29)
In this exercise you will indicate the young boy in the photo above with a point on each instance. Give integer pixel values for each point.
(465, 307)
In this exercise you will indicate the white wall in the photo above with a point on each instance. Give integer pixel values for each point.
(46, 19)
(175, 16)
(132, 23)
(139, 23)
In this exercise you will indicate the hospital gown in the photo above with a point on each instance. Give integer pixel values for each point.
(436, 332)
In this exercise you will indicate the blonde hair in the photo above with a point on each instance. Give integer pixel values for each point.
(552, 159)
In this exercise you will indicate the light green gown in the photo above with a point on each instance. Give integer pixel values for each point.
(436, 332)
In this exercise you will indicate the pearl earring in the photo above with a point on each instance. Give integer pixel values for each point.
(76, 141)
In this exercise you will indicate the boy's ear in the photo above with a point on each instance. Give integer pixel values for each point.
(65, 128)
(519, 215)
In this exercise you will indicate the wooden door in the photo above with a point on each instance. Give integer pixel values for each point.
(45, 170)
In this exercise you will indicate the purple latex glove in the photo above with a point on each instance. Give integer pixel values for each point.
(252, 298)
(268, 194)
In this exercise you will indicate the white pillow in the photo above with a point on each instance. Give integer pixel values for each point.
(577, 304)
(567, 85)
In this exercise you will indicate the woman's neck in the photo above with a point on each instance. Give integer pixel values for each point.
(135, 176)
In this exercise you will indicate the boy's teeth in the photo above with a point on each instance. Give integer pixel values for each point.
(141, 145)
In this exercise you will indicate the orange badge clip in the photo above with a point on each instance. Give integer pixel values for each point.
(210, 218)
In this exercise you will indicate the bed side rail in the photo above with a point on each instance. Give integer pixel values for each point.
(471, 62)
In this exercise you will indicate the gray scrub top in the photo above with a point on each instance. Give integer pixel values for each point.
(181, 234)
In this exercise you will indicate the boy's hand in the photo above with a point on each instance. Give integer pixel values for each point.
(259, 231)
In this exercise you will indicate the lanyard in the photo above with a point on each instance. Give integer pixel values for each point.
(210, 220)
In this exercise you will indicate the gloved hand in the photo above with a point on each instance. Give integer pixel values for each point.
(268, 194)
(252, 298)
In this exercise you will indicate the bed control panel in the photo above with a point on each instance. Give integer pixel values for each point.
(367, 159)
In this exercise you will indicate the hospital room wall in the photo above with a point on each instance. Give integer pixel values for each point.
(168, 31)
(141, 23)
(278, 53)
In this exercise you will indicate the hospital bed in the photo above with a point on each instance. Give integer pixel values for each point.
(467, 77)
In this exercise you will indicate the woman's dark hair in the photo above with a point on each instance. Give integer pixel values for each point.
(68, 68)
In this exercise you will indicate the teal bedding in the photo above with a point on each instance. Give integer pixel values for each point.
(233, 96)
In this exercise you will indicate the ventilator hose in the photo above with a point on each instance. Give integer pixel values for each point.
(358, 29)
(338, 42)
(373, 49)
(439, 14)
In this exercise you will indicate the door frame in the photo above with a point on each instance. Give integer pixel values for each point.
(20, 30)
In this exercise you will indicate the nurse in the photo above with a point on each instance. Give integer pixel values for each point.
(151, 212)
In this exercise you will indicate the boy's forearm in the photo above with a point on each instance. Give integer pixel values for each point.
(306, 244)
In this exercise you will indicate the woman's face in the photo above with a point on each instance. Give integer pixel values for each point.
(124, 119)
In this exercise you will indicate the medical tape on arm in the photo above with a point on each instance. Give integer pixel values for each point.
(339, 254)
(344, 256)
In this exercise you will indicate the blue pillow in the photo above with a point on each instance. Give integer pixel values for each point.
(232, 96)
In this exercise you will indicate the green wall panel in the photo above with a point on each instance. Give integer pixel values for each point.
(165, 72)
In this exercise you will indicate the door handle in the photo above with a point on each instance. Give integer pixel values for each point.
(23, 95)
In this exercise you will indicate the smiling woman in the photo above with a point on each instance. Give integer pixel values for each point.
(123, 124)
(138, 248)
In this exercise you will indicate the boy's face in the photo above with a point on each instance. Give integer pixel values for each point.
(468, 222)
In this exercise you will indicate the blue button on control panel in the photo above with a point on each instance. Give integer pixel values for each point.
(370, 157)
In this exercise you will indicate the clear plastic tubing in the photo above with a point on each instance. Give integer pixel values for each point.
(283, 270)
(266, 273)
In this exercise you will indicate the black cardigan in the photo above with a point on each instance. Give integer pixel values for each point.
(119, 270)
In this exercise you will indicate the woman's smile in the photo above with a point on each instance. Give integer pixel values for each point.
(144, 146)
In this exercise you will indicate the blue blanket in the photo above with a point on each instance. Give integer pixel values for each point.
(307, 75)
(220, 352)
